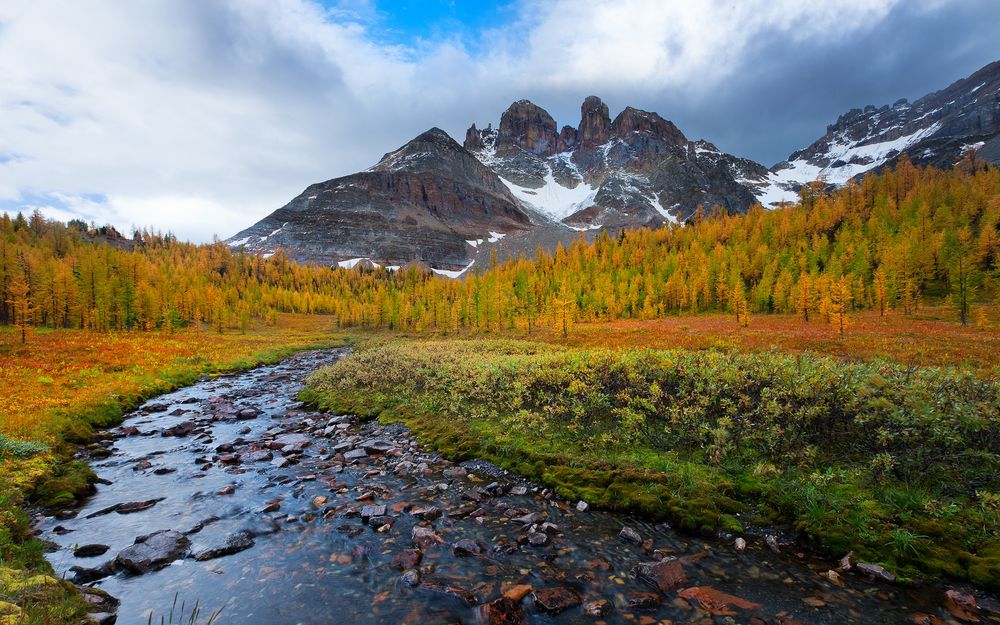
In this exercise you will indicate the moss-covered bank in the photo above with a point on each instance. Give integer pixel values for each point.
(898, 464)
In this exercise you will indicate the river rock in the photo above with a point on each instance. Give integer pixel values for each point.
(90, 551)
(99, 601)
(137, 506)
(666, 574)
(556, 599)
(86, 575)
(372, 510)
(643, 600)
(874, 571)
(247, 413)
(599, 607)
(538, 539)
(234, 543)
(428, 513)
(355, 454)
(502, 611)
(962, 605)
(467, 547)
(296, 442)
(408, 559)
(153, 551)
(529, 519)
(180, 430)
(424, 536)
(630, 535)
(715, 601)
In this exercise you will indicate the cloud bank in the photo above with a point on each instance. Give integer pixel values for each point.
(201, 117)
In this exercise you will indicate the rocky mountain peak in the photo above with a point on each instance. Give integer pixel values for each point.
(595, 122)
(529, 127)
(635, 120)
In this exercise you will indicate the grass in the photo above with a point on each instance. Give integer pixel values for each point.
(60, 387)
(898, 464)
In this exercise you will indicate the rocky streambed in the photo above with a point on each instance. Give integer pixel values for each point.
(232, 494)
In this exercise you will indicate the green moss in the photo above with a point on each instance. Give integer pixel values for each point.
(69, 483)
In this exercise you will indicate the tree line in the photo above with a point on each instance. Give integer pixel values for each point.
(892, 241)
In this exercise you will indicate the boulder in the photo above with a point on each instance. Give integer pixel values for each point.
(153, 551)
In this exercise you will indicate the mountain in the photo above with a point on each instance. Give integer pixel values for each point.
(420, 203)
(529, 182)
(937, 130)
(638, 169)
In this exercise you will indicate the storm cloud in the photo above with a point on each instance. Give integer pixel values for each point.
(201, 117)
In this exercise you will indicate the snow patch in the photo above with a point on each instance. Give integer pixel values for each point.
(495, 236)
(239, 242)
(351, 263)
(453, 274)
(552, 198)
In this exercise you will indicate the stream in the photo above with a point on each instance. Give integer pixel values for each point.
(232, 494)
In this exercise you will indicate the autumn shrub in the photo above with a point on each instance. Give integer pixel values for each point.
(850, 453)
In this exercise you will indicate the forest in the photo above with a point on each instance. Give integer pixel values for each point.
(894, 241)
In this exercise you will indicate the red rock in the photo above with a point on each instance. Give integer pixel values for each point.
(556, 599)
(502, 611)
(518, 592)
(716, 601)
(962, 606)
(667, 574)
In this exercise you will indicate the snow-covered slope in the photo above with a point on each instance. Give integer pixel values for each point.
(937, 130)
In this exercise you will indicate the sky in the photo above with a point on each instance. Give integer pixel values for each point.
(200, 117)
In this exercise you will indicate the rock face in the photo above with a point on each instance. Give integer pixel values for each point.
(937, 130)
(420, 203)
(637, 170)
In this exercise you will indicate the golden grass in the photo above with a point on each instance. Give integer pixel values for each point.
(61, 370)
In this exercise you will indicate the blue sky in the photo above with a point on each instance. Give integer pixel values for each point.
(407, 23)
(202, 117)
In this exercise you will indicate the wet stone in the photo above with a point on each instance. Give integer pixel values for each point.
(643, 600)
(467, 547)
(555, 600)
(597, 608)
(372, 510)
(90, 551)
(234, 543)
(181, 429)
(666, 574)
(153, 551)
(355, 454)
(408, 559)
(874, 571)
(502, 611)
(630, 535)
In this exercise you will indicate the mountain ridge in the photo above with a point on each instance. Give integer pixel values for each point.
(530, 182)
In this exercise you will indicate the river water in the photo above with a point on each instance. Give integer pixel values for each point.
(287, 489)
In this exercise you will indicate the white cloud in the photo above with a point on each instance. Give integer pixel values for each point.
(202, 117)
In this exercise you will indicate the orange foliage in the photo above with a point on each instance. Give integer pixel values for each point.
(77, 369)
(932, 339)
